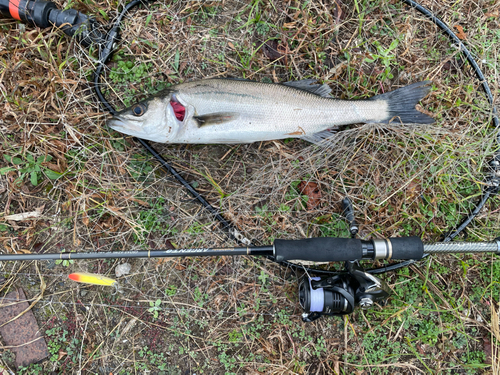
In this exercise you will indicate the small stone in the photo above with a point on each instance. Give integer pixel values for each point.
(83, 292)
(122, 269)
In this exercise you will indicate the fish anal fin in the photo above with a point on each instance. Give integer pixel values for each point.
(308, 85)
(320, 138)
(216, 118)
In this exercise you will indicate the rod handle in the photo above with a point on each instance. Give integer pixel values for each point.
(322, 249)
(401, 248)
(327, 249)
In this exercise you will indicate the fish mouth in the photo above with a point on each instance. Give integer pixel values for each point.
(124, 126)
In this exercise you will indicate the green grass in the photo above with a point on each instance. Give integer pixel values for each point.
(241, 315)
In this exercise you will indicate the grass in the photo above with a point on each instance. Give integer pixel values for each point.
(100, 192)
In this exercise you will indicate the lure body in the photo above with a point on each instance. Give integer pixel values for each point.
(90, 278)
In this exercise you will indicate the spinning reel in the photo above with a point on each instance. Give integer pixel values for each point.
(339, 295)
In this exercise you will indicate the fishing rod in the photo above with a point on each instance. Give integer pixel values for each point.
(319, 249)
(330, 295)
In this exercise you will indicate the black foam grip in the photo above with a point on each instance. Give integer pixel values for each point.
(407, 248)
(322, 249)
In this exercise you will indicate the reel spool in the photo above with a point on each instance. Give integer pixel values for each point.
(341, 294)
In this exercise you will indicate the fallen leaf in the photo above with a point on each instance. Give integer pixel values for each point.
(54, 167)
(25, 215)
(61, 354)
(180, 266)
(140, 201)
(496, 13)
(37, 248)
(461, 34)
(129, 326)
(423, 110)
(85, 218)
(487, 350)
(270, 49)
(231, 45)
(312, 191)
(114, 209)
(336, 367)
(337, 11)
(452, 65)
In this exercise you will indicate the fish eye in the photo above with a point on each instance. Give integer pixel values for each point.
(139, 109)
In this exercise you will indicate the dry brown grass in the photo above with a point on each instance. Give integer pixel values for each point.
(241, 315)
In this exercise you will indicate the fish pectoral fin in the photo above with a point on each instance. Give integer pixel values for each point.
(307, 85)
(215, 118)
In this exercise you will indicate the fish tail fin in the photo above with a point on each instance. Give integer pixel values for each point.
(401, 104)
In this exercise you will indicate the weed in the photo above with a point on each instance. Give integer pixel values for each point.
(149, 223)
(155, 308)
(333, 226)
(139, 167)
(263, 277)
(29, 166)
(171, 290)
(65, 262)
(199, 297)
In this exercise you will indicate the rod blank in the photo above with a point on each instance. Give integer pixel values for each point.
(462, 247)
(196, 252)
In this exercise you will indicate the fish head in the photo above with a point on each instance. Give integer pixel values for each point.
(156, 119)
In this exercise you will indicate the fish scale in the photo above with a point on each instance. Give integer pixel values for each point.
(240, 111)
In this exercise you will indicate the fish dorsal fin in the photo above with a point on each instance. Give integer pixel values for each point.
(216, 118)
(307, 85)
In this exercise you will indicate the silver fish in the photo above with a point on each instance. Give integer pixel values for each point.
(241, 111)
